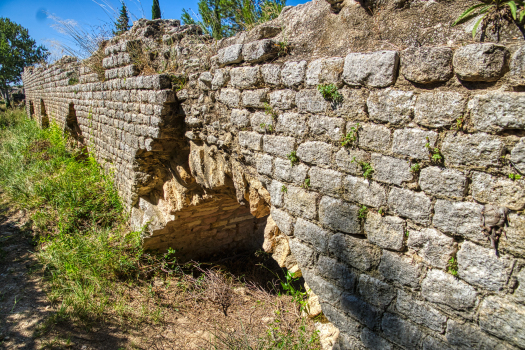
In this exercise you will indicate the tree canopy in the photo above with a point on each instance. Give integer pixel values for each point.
(17, 50)
(122, 23)
(155, 10)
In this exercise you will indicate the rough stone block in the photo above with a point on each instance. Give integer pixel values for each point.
(353, 106)
(517, 66)
(326, 181)
(302, 253)
(245, 77)
(260, 50)
(286, 172)
(465, 336)
(276, 194)
(220, 78)
(341, 321)
(519, 293)
(375, 292)
(515, 242)
(477, 150)
(271, 74)
(255, 98)
(413, 205)
(411, 142)
(344, 160)
(264, 165)
(292, 123)
(251, 140)
(497, 111)
(439, 109)
(420, 312)
(326, 291)
(459, 218)
(230, 97)
(400, 268)
(261, 122)
(390, 170)
(313, 234)
(442, 288)
(331, 127)
(480, 62)
(363, 312)
(426, 65)
(339, 273)
(503, 319)
(391, 106)
(310, 100)
(339, 215)
(205, 79)
(282, 99)
(300, 202)
(387, 232)
(443, 182)
(373, 341)
(284, 221)
(364, 192)
(292, 73)
(432, 343)
(502, 191)
(315, 152)
(231, 54)
(355, 252)
(324, 71)
(375, 137)
(376, 69)
(278, 145)
(517, 155)
(481, 267)
(401, 331)
(434, 247)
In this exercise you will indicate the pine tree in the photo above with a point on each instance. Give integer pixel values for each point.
(155, 10)
(122, 23)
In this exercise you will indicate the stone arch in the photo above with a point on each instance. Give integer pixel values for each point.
(44, 119)
(71, 125)
(31, 110)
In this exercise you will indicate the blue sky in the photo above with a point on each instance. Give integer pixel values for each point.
(31, 13)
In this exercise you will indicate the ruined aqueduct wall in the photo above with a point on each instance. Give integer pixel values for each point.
(204, 161)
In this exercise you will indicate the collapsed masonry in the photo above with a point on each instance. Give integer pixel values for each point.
(201, 155)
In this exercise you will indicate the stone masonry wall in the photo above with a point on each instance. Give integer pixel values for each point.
(398, 256)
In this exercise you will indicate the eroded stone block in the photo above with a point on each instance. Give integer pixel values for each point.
(326, 181)
(517, 155)
(400, 268)
(313, 234)
(480, 62)
(324, 71)
(439, 109)
(339, 215)
(425, 65)
(497, 111)
(477, 150)
(376, 69)
(503, 319)
(502, 191)
(292, 123)
(245, 77)
(373, 136)
(459, 218)
(443, 182)
(331, 127)
(413, 205)
(339, 273)
(434, 247)
(282, 99)
(278, 145)
(364, 192)
(390, 170)
(355, 252)
(411, 142)
(310, 100)
(375, 292)
(420, 312)
(300, 202)
(391, 106)
(386, 232)
(442, 288)
(292, 73)
(315, 152)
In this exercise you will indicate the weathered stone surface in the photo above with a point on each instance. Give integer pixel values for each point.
(231, 54)
(372, 341)
(205, 79)
(364, 192)
(515, 241)
(479, 266)
(375, 292)
(442, 288)
(387, 232)
(315, 152)
(261, 122)
(480, 62)
(376, 69)
(502, 191)
(401, 331)
(276, 193)
(303, 253)
(420, 312)
(434, 247)
(245, 77)
(375, 137)
(365, 313)
(278, 145)
(251, 140)
(286, 172)
(439, 109)
(425, 65)
(292, 73)
(331, 127)
(497, 111)
(400, 268)
(354, 251)
(413, 205)
(353, 106)
(478, 150)
(282, 99)
(292, 123)
(271, 74)
(339, 215)
(230, 97)
(313, 234)
(390, 170)
(255, 98)
(517, 66)
(411, 142)
(220, 78)
(465, 336)
(264, 165)
(517, 155)
(432, 343)
(326, 181)
(503, 319)
(240, 117)
(300, 202)
(310, 100)
(344, 160)
(519, 293)
(345, 324)
(391, 106)
(443, 182)
(324, 71)
(283, 220)
(326, 291)
(459, 218)
(339, 273)
(260, 50)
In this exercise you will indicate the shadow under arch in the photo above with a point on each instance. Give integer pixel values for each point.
(44, 119)
(31, 110)
(71, 125)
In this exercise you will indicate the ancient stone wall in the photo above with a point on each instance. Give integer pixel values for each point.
(384, 190)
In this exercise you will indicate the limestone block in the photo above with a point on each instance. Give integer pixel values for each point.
(303, 253)
(240, 117)
(271, 74)
(502, 191)
(276, 193)
(282, 99)
(220, 78)
(517, 66)
(345, 324)
(292, 123)
(459, 218)
(401, 331)
(326, 291)
(283, 220)
(411, 142)
(373, 136)
(364, 192)
(324, 71)
(439, 109)
(465, 336)
(344, 160)
(278, 145)
(443, 182)
(400, 268)
(326, 181)
(386, 232)
(300, 202)
(481, 267)
(205, 79)
(420, 312)
(255, 98)
(260, 50)
(315, 152)
(286, 172)
(517, 155)
(390, 170)
(478, 150)
(329, 268)
(426, 65)
(373, 341)
(413, 205)
(310, 100)
(519, 293)
(376, 69)
(367, 314)
(261, 122)
(353, 106)
(442, 288)
(264, 165)
(435, 248)
(391, 106)
(339, 215)
(231, 54)
(251, 140)
(292, 73)
(375, 292)
(480, 62)
(313, 234)
(245, 77)
(354, 251)
(503, 319)
(331, 127)
(230, 97)
(497, 111)
(515, 241)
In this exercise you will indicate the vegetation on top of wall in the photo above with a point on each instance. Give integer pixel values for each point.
(122, 22)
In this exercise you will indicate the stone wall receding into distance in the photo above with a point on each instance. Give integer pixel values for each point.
(219, 146)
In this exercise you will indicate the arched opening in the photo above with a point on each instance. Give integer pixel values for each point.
(31, 110)
(72, 126)
(44, 119)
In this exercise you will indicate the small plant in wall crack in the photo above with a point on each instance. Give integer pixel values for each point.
(415, 168)
(452, 266)
(266, 127)
(293, 157)
(363, 211)
(435, 154)
(306, 183)
(330, 92)
(365, 167)
(459, 123)
(284, 189)
(514, 177)
(351, 137)
(270, 111)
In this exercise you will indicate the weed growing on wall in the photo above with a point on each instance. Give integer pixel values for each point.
(351, 137)
(293, 157)
(330, 92)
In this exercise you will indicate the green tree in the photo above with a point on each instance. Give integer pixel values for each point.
(155, 10)
(122, 23)
(17, 50)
